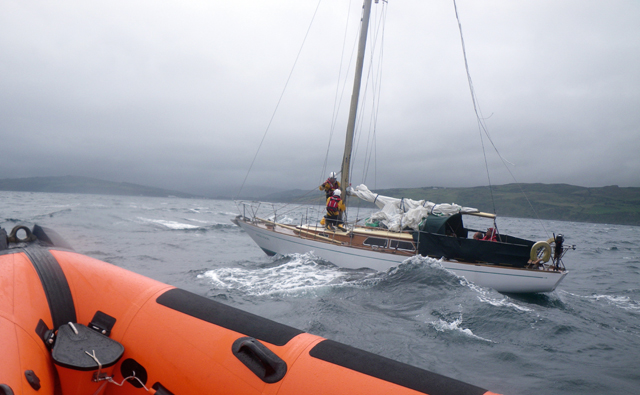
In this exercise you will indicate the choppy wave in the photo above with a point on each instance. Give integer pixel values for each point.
(169, 224)
(51, 214)
(195, 210)
(503, 302)
(285, 220)
(197, 220)
(423, 269)
(558, 340)
(301, 275)
(623, 302)
(455, 326)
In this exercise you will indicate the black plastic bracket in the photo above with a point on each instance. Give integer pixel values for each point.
(263, 362)
(32, 379)
(102, 323)
(131, 367)
(74, 341)
(161, 390)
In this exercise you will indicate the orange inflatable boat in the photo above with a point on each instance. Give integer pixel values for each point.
(70, 324)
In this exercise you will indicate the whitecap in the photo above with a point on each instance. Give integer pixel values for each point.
(197, 220)
(417, 261)
(444, 326)
(169, 224)
(285, 220)
(301, 275)
(623, 302)
(504, 302)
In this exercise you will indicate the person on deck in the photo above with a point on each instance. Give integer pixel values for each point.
(490, 235)
(330, 185)
(335, 206)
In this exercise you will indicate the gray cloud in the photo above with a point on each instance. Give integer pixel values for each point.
(179, 95)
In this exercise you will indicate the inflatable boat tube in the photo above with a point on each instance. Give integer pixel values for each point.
(71, 324)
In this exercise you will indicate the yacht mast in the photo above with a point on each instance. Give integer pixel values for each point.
(346, 159)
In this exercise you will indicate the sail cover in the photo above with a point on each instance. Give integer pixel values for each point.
(398, 214)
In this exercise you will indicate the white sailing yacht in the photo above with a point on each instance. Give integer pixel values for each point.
(409, 228)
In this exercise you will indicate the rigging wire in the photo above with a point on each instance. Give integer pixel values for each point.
(374, 75)
(372, 152)
(482, 128)
(279, 99)
(338, 100)
(339, 93)
(374, 82)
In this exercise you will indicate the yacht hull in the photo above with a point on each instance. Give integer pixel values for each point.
(502, 279)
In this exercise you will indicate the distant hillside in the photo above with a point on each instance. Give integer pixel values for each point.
(73, 184)
(612, 204)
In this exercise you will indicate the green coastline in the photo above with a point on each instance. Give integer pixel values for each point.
(563, 202)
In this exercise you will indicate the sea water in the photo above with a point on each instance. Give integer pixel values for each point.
(582, 338)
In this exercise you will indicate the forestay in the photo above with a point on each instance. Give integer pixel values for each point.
(397, 214)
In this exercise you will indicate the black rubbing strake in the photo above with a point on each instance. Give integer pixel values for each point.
(392, 371)
(227, 317)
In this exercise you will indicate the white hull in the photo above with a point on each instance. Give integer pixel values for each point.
(502, 279)
(510, 280)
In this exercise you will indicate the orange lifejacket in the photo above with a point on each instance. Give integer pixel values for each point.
(333, 205)
(329, 186)
(490, 235)
(333, 184)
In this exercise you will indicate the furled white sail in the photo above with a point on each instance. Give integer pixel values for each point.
(398, 214)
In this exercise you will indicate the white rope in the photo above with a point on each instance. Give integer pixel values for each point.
(110, 379)
(93, 355)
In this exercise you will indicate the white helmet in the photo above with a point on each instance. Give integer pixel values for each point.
(332, 174)
(337, 192)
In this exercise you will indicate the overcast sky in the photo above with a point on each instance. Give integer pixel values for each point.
(179, 94)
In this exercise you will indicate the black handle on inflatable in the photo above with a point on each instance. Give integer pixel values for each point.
(14, 237)
(263, 362)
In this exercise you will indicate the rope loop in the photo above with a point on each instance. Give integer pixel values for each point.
(98, 377)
